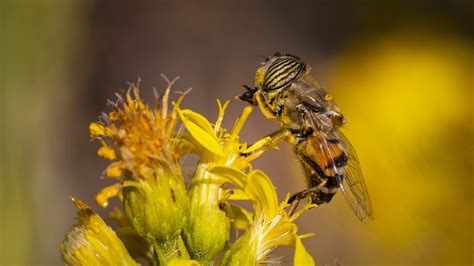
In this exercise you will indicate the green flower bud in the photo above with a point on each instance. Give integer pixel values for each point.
(157, 208)
(207, 230)
(92, 242)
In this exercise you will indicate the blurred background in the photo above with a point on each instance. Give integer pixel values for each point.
(401, 71)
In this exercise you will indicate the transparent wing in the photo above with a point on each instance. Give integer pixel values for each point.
(353, 186)
(309, 93)
(351, 182)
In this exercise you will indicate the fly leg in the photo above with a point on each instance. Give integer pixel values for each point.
(296, 198)
(269, 109)
(265, 143)
(255, 97)
(316, 181)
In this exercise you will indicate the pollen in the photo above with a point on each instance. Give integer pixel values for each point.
(96, 130)
(105, 194)
(114, 170)
(259, 75)
(107, 153)
(141, 137)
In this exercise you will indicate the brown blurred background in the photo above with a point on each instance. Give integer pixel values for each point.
(401, 71)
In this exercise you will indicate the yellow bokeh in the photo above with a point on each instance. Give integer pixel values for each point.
(408, 97)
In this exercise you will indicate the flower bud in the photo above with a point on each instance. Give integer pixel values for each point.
(156, 207)
(92, 242)
(207, 230)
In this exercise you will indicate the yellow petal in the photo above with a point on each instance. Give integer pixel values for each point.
(302, 257)
(200, 132)
(282, 233)
(220, 117)
(261, 189)
(239, 123)
(231, 175)
(199, 120)
(303, 236)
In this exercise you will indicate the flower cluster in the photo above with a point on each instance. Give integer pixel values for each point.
(166, 222)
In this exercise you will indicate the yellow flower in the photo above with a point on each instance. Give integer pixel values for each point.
(207, 229)
(142, 138)
(271, 225)
(221, 161)
(92, 242)
(190, 227)
(145, 148)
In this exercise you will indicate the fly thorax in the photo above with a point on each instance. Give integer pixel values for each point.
(273, 97)
(324, 122)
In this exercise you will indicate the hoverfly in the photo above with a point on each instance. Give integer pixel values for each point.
(309, 120)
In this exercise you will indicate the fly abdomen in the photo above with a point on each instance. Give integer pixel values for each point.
(325, 169)
(321, 187)
(326, 192)
(338, 166)
(338, 162)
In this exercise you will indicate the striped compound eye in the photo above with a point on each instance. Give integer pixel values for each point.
(283, 71)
